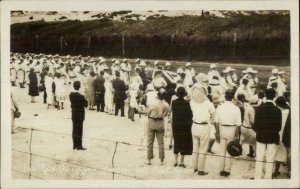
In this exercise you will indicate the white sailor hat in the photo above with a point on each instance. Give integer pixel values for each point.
(168, 63)
(281, 72)
(188, 64)
(117, 62)
(137, 60)
(143, 63)
(180, 71)
(212, 66)
(228, 69)
(125, 60)
(275, 71)
(156, 62)
(113, 60)
(102, 60)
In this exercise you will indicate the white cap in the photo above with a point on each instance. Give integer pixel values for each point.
(188, 64)
(180, 70)
(168, 63)
(281, 72)
(100, 58)
(201, 77)
(143, 63)
(212, 66)
(156, 62)
(125, 60)
(137, 60)
(275, 71)
(117, 62)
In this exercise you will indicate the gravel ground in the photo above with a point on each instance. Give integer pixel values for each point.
(62, 162)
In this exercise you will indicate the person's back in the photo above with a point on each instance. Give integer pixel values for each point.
(99, 84)
(78, 103)
(267, 123)
(90, 84)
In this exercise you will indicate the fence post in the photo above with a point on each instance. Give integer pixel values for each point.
(30, 154)
(112, 161)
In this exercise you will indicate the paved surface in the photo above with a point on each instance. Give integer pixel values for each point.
(128, 159)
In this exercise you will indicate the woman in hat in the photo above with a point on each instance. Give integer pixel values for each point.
(48, 86)
(181, 126)
(109, 95)
(33, 85)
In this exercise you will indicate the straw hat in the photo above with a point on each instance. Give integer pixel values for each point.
(228, 69)
(249, 70)
(168, 63)
(275, 71)
(188, 64)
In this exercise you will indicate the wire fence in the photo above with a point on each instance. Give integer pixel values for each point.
(110, 171)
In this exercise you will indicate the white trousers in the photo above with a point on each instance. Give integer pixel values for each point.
(226, 159)
(201, 135)
(261, 150)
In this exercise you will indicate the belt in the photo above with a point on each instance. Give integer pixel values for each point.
(214, 84)
(156, 118)
(228, 125)
(246, 127)
(202, 123)
(253, 87)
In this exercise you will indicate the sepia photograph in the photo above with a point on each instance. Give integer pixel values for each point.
(151, 94)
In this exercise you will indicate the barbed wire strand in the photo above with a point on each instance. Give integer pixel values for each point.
(75, 164)
(30, 156)
(112, 161)
(138, 145)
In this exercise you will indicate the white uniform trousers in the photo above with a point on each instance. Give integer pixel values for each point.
(261, 150)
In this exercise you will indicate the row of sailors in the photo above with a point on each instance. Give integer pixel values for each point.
(71, 66)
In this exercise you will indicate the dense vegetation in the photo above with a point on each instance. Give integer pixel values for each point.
(237, 37)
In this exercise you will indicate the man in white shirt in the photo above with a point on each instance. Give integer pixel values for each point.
(227, 122)
(244, 89)
(203, 112)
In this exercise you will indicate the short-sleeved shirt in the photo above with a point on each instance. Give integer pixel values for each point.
(228, 114)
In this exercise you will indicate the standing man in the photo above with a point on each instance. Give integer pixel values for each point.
(78, 103)
(100, 91)
(156, 126)
(267, 124)
(227, 122)
(189, 75)
(120, 94)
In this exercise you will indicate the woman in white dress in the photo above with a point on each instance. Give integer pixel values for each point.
(109, 95)
(60, 90)
(48, 86)
(281, 153)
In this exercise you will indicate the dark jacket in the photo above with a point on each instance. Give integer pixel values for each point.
(78, 102)
(120, 89)
(267, 123)
(99, 84)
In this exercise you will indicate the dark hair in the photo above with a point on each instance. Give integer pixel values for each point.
(241, 97)
(229, 95)
(117, 73)
(76, 85)
(270, 94)
(245, 81)
(287, 95)
(161, 94)
(261, 94)
(92, 73)
(173, 85)
(281, 102)
(102, 72)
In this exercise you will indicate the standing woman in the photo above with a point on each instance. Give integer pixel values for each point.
(60, 90)
(90, 90)
(182, 123)
(33, 85)
(48, 86)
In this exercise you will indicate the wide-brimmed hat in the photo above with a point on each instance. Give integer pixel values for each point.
(228, 69)
(249, 70)
(117, 62)
(201, 77)
(281, 72)
(212, 66)
(180, 71)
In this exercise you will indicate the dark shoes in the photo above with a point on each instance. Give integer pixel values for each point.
(175, 164)
(250, 155)
(224, 173)
(182, 165)
(195, 170)
(202, 173)
(209, 151)
(77, 148)
(170, 147)
(275, 174)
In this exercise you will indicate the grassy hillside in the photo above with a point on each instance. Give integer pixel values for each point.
(263, 38)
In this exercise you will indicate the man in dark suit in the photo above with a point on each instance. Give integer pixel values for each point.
(120, 94)
(78, 103)
(100, 92)
(267, 124)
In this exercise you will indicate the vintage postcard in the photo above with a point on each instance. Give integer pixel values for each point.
(150, 94)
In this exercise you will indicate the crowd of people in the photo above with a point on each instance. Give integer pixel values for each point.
(194, 111)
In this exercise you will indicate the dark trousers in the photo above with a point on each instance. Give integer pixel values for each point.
(100, 101)
(119, 106)
(45, 97)
(77, 134)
